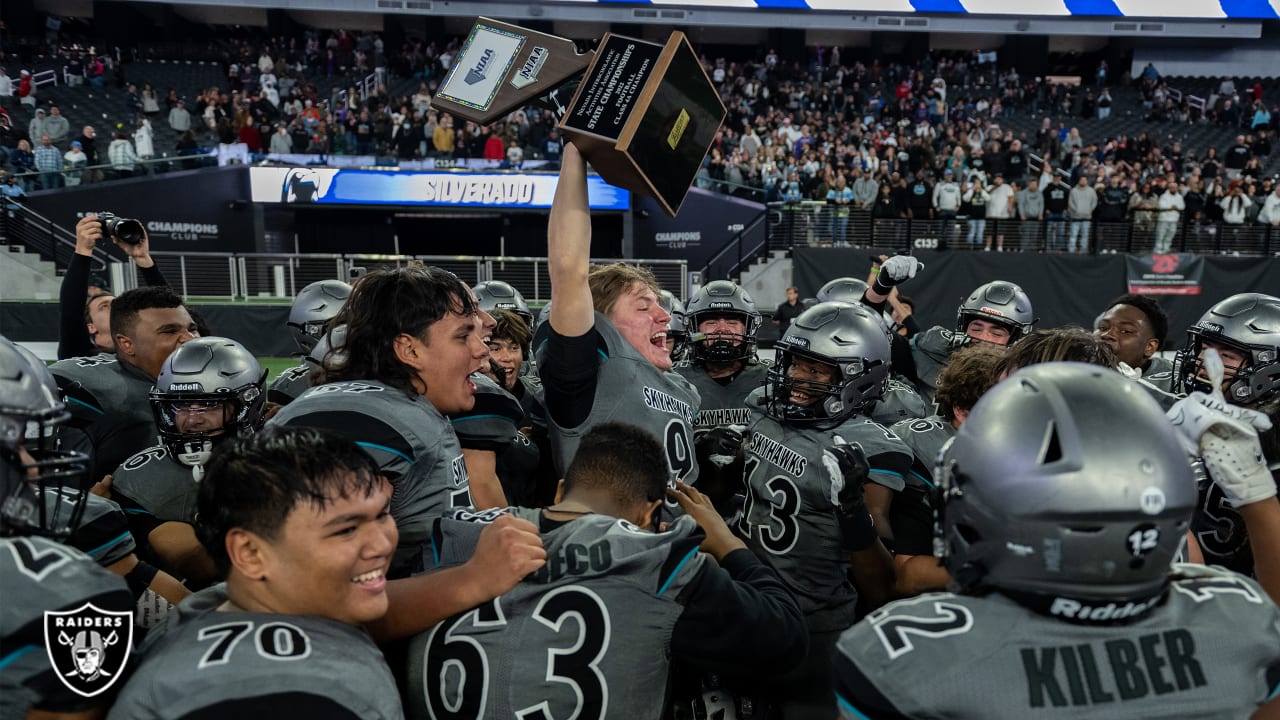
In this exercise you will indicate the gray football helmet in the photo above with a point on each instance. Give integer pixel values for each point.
(999, 302)
(1248, 323)
(324, 350)
(31, 464)
(843, 289)
(1066, 485)
(677, 327)
(499, 295)
(205, 376)
(721, 298)
(313, 308)
(849, 338)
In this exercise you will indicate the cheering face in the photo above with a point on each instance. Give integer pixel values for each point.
(332, 561)
(803, 371)
(200, 416)
(455, 348)
(157, 333)
(1233, 361)
(99, 325)
(509, 357)
(988, 332)
(643, 323)
(1126, 329)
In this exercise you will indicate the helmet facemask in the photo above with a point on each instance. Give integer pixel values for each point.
(46, 488)
(241, 410)
(860, 382)
(724, 347)
(1255, 381)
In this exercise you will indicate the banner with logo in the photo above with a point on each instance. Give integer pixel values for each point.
(1166, 274)
(340, 186)
(707, 221)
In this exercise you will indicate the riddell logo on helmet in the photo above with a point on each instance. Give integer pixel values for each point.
(718, 305)
(1076, 610)
(797, 341)
(1209, 326)
(178, 387)
(990, 311)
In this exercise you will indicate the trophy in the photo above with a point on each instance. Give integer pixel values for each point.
(644, 114)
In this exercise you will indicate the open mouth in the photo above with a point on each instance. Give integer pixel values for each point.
(800, 397)
(373, 581)
(659, 340)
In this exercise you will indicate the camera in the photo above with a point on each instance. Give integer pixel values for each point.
(126, 230)
(355, 273)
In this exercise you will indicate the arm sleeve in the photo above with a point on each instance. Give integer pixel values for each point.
(73, 338)
(491, 424)
(889, 469)
(569, 368)
(152, 277)
(741, 592)
(275, 706)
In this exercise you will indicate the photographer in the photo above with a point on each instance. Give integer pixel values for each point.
(84, 326)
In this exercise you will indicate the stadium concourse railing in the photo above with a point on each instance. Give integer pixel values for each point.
(817, 224)
(279, 276)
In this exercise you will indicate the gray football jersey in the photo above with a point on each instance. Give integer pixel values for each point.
(212, 662)
(790, 522)
(1210, 650)
(630, 389)
(587, 636)
(911, 514)
(925, 436)
(930, 350)
(290, 383)
(108, 400)
(103, 532)
(158, 484)
(36, 575)
(1159, 372)
(899, 402)
(723, 404)
(409, 439)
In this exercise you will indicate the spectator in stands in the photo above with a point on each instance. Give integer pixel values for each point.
(788, 310)
(121, 155)
(24, 163)
(49, 162)
(150, 101)
(1030, 206)
(56, 125)
(1000, 205)
(36, 128)
(841, 196)
(6, 86)
(144, 141)
(75, 160)
(281, 143)
(179, 117)
(132, 103)
(946, 205)
(975, 209)
(1237, 157)
(11, 188)
(1081, 203)
(95, 70)
(1169, 207)
(26, 89)
(88, 143)
(1056, 198)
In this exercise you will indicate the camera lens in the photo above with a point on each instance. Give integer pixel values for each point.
(124, 229)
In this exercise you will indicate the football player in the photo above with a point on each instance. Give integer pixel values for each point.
(413, 339)
(299, 522)
(108, 395)
(1135, 327)
(37, 572)
(603, 355)
(592, 633)
(677, 328)
(997, 313)
(209, 390)
(1244, 330)
(808, 452)
(1065, 496)
(313, 308)
(968, 374)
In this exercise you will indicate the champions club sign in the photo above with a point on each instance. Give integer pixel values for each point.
(334, 186)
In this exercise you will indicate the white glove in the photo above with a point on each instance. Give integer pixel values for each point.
(1129, 372)
(1226, 437)
(898, 268)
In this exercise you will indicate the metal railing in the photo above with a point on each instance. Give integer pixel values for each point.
(279, 276)
(727, 263)
(20, 225)
(816, 224)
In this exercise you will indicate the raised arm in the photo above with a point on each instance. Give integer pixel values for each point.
(569, 249)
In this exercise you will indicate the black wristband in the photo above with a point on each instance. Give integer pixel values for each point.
(857, 529)
(140, 577)
(879, 286)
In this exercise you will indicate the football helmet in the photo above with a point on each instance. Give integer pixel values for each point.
(201, 380)
(499, 295)
(999, 302)
(1064, 482)
(849, 338)
(313, 308)
(677, 327)
(843, 289)
(336, 337)
(722, 298)
(31, 465)
(1248, 323)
